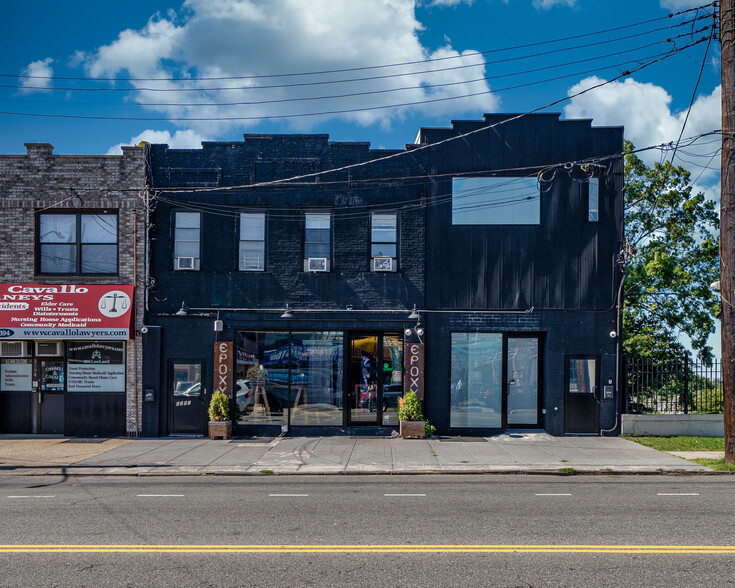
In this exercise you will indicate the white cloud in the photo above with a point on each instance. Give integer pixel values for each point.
(680, 4)
(546, 4)
(41, 68)
(184, 139)
(645, 111)
(246, 38)
(449, 2)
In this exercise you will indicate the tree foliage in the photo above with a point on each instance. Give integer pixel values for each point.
(673, 258)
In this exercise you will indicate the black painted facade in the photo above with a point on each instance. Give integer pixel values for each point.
(551, 284)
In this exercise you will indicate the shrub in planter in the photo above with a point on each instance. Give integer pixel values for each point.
(219, 413)
(413, 423)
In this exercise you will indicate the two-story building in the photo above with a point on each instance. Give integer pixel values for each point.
(316, 281)
(71, 267)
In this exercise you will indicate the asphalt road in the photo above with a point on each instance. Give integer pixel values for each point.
(368, 531)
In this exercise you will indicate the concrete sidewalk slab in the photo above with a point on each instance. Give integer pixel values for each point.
(513, 452)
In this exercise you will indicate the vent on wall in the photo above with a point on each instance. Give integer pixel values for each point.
(317, 264)
(13, 349)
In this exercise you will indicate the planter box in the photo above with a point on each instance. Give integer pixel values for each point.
(220, 429)
(415, 429)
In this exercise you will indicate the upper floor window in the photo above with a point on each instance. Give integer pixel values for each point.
(77, 243)
(317, 242)
(187, 228)
(252, 242)
(384, 242)
(593, 200)
(496, 201)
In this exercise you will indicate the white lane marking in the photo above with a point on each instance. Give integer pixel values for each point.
(553, 494)
(160, 495)
(35, 496)
(678, 494)
(287, 495)
(404, 494)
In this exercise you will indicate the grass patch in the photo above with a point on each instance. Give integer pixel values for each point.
(716, 464)
(567, 470)
(266, 471)
(681, 443)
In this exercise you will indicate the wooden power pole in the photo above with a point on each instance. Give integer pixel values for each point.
(727, 222)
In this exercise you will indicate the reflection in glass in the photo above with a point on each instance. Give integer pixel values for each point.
(522, 381)
(392, 378)
(364, 379)
(316, 378)
(476, 380)
(187, 379)
(582, 376)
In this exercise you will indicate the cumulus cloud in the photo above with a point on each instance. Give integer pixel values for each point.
(449, 2)
(645, 111)
(680, 4)
(41, 68)
(183, 139)
(240, 42)
(546, 4)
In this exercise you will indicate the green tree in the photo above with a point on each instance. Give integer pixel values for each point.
(673, 258)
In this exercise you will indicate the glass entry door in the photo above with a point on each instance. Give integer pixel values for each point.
(187, 396)
(522, 365)
(51, 395)
(375, 378)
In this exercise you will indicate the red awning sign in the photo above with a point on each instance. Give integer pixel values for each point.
(66, 311)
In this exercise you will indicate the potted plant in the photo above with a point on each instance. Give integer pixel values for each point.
(413, 423)
(220, 425)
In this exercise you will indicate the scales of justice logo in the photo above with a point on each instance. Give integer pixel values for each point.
(114, 303)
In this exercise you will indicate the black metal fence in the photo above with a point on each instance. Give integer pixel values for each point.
(678, 386)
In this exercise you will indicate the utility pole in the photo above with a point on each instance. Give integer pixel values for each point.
(727, 222)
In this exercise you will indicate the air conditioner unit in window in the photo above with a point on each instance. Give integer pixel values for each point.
(382, 264)
(184, 263)
(13, 349)
(317, 264)
(49, 348)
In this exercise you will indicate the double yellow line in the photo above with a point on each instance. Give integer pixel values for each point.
(685, 549)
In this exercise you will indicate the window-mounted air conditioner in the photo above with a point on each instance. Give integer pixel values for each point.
(316, 264)
(383, 264)
(49, 348)
(13, 349)
(185, 263)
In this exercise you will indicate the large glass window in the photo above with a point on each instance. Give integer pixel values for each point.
(187, 227)
(476, 380)
(77, 243)
(296, 375)
(316, 378)
(317, 242)
(384, 242)
(496, 201)
(252, 242)
(95, 366)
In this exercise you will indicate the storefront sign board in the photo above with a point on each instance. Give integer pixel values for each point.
(413, 372)
(223, 365)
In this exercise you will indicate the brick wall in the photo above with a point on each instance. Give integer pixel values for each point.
(40, 180)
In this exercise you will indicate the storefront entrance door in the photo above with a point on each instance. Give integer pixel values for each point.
(375, 378)
(187, 396)
(50, 396)
(582, 396)
(522, 365)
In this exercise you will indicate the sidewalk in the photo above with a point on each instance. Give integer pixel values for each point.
(517, 452)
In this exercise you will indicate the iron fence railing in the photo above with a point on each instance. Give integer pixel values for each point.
(676, 386)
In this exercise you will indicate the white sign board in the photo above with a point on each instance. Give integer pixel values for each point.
(95, 377)
(16, 377)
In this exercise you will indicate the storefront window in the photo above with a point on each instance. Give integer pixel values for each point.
(392, 378)
(95, 366)
(316, 378)
(261, 386)
(476, 380)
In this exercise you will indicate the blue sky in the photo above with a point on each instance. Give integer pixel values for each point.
(445, 78)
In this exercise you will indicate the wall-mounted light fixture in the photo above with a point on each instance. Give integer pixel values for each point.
(414, 316)
(287, 314)
(184, 310)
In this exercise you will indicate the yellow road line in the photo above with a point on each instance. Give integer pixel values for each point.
(625, 549)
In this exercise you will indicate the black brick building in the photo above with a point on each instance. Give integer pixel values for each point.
(503, 234)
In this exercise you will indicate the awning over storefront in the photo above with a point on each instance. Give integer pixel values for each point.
(66, 311)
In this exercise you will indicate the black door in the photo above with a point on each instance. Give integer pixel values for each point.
(188, 397)
(582, 395)
(52, 374)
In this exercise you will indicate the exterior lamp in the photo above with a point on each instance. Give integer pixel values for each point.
(184, 310)
(287, 314)
(414, 314)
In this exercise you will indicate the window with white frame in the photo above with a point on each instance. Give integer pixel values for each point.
(252, 242)
(383, 242)
(187, 229)
(77, 243)
(317, 242)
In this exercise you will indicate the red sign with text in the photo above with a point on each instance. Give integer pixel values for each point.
(66, 311)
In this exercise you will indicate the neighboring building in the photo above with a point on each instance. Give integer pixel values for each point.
(297, 297)
(71, 261)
